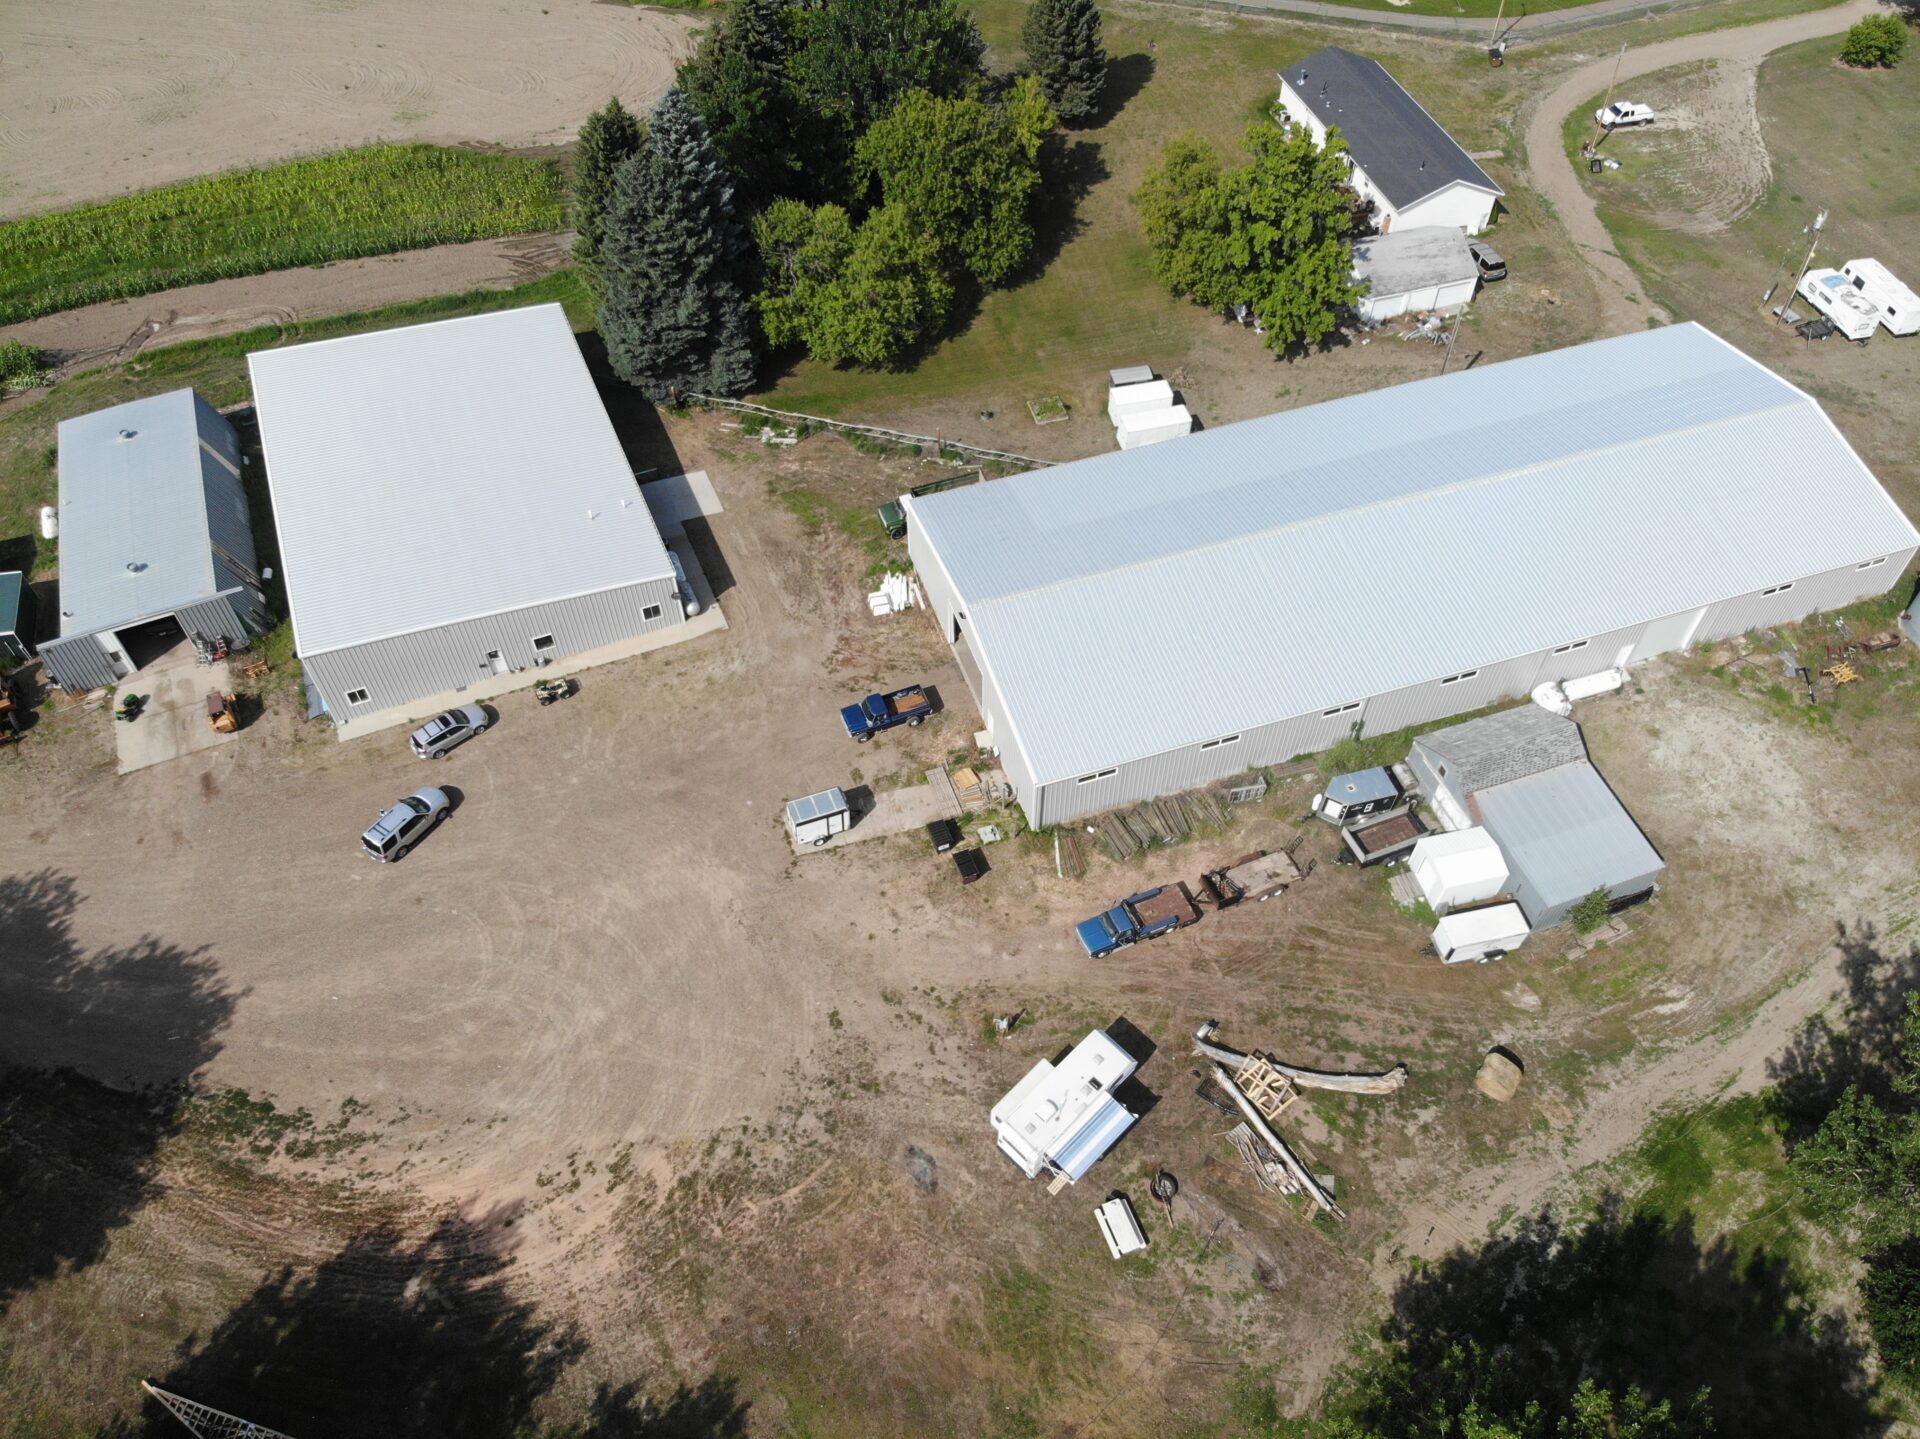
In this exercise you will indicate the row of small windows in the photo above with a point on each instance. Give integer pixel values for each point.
(1098, 774)
(1463, 675)
(1340, 710)
(1569, 649)
(1777, 590)
(1224, 739)
(1870, 564)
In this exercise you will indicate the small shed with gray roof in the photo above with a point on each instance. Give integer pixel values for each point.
(1525, 776)
(1414, 271)
(1409, 169)
(155, 539)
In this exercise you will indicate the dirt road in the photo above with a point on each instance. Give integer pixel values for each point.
(119, 329)
(1624, 307)
(101, 98)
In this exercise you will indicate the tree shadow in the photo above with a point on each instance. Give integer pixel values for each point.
(18, 553)
(711, 1409)
(636, 419)
(1071, 169)
(1127, 76)
(1861, 1045)
(98, 1051)
(1625, 1299)
(394, 1334)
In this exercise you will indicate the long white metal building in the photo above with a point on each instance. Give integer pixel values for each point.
(1146, 622)
(454, 509)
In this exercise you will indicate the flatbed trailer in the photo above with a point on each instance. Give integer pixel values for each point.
(1255, 876)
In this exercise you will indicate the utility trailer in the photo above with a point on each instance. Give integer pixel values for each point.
(1256, 876)
(1382, 839)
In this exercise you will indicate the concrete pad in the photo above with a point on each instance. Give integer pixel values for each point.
(678, 498)
(708, 621)
(893, 811)
(174, 723)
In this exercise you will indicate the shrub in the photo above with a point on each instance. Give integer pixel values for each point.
(1591, 912)
(21, 367)
(1878, 40)
(1892, 1294)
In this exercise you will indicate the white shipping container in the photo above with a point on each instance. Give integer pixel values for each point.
(1137, 428)
(1125, 399)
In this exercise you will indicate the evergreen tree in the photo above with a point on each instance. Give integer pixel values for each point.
(737, 79)
(675, 313)
(609, 137)
(857, 57)
(1063, 43)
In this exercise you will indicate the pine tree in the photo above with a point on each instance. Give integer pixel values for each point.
(1063, 43)
(737, 80)
(609, 137)
(674, 312)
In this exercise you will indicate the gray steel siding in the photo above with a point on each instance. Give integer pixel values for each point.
(1831, 590)
(1416, 704)
(224, 614)
(1544, 915)
(941, 596)
(405, 668)
(77, 663)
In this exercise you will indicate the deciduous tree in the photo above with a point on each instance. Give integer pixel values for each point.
(1878, 40)
(1064, 44)
(868, 296)
(858, 57)
(674, 312)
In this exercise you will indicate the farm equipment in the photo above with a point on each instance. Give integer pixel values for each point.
(547, 691)
(222, 712)
(130, 707)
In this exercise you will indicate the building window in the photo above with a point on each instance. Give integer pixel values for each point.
(1224, 739)
(1569, 649)
(1869, 564)
(356, 697)
(651, 612)
(1777, 590)
(1100, 774)
(1340, 710)
(1443, 771)
(542, 642)
(1463, 675)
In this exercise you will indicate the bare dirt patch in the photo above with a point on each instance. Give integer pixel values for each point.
(100, 99)
(1703, 165)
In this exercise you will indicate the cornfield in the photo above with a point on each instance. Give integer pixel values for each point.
(370, 201)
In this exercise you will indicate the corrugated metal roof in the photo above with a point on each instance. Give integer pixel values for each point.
(1576, 492)
(1402, 148)
(133, 512)
(1413, 259)
(11, 584)
(816, 806)
(1566, 833)
(443, 472)
(1506, 746)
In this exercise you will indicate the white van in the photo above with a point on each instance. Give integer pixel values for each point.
(1899, 307)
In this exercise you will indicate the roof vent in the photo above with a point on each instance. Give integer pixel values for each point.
(134, 567)
(128, 434)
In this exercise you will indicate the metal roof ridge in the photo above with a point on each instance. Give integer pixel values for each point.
(1386, 503)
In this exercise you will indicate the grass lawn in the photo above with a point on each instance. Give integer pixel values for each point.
(1833, 136)
(370, 201)
(217, 368)
(1094, 304)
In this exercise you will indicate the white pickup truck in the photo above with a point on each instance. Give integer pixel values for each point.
(1624, 112)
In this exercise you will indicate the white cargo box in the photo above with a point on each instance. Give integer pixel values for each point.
(1480, 933)
(1463, 867)
(1120, 1227)
(1125, 399)
(1136, 428)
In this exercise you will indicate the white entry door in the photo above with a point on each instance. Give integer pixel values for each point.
(499, 664)
(1675, 632)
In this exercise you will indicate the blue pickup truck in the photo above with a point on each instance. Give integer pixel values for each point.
(909, 706)
(1146, 915)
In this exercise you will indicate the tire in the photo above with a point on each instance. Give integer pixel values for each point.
(866, 738)
(916, 723)
(441, 753)
(819, 844)
(401, 853)
(479, 729)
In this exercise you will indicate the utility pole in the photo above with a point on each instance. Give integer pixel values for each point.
(1453, 335)
(1604, 104)
(1814, 229)
(1494, 38)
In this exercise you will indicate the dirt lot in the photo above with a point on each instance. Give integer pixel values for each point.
(103, 98)
(731, 1105)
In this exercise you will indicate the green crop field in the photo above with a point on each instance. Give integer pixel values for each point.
(370, 201)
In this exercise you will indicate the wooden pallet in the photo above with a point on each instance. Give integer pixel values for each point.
(1270, 1091)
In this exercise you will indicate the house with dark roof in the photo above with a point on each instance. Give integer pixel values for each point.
(1524, 776)
(1404, 164)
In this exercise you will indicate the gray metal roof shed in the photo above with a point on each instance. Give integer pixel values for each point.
(1564, 835)
(445, 472)
(153, 522)
(1501, 748)
(1417, 258)
(1402, 148)
(1579, 491)
(19, 624)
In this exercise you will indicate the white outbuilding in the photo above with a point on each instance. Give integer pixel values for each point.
(1062, 1118)
(1415, 271)
(1463, 867)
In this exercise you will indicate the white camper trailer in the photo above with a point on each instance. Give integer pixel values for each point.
(1833, 295)
(1899, 307)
